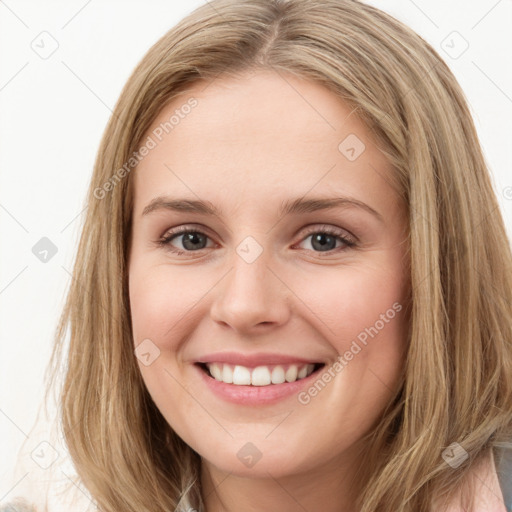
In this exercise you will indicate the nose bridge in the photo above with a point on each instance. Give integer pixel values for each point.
(250, 293)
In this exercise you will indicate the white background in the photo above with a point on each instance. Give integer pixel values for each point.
(52, 115)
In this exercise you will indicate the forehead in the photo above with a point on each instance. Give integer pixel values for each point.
(262, 134)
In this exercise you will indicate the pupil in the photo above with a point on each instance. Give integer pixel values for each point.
(323, 242)
(193, 238)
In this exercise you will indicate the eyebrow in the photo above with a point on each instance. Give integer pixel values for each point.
(299, 205)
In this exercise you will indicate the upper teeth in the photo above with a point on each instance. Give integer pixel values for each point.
(259, 376)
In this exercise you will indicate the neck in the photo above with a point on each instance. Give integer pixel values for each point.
(330, 488)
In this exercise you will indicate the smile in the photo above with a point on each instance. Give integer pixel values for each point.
(253, 379)
(265, 375)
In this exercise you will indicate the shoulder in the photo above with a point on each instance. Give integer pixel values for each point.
(487, 489)
(17, 505)
(504, 470)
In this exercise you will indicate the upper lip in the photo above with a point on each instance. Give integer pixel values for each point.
(253, 360)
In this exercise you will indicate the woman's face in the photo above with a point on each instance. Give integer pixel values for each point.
(295, 262)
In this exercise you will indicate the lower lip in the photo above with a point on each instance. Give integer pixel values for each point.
(255, 395)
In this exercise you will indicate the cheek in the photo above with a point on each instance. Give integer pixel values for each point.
(354, 303)
(161, 305)
(361, 314)
(160, 311)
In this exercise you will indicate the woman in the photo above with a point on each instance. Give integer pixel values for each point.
(341, 338)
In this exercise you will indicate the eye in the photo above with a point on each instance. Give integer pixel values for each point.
(191, 239)
(323, 239)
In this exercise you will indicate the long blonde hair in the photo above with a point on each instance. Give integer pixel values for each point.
(457, 384)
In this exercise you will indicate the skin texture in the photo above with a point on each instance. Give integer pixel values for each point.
(250, 144)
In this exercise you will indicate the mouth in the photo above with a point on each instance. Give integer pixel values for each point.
(259, 376)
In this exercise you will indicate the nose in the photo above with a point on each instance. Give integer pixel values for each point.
(251, 297)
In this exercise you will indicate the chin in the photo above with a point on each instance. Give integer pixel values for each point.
(259, 460)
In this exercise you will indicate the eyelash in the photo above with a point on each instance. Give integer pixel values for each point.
(348, 241)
